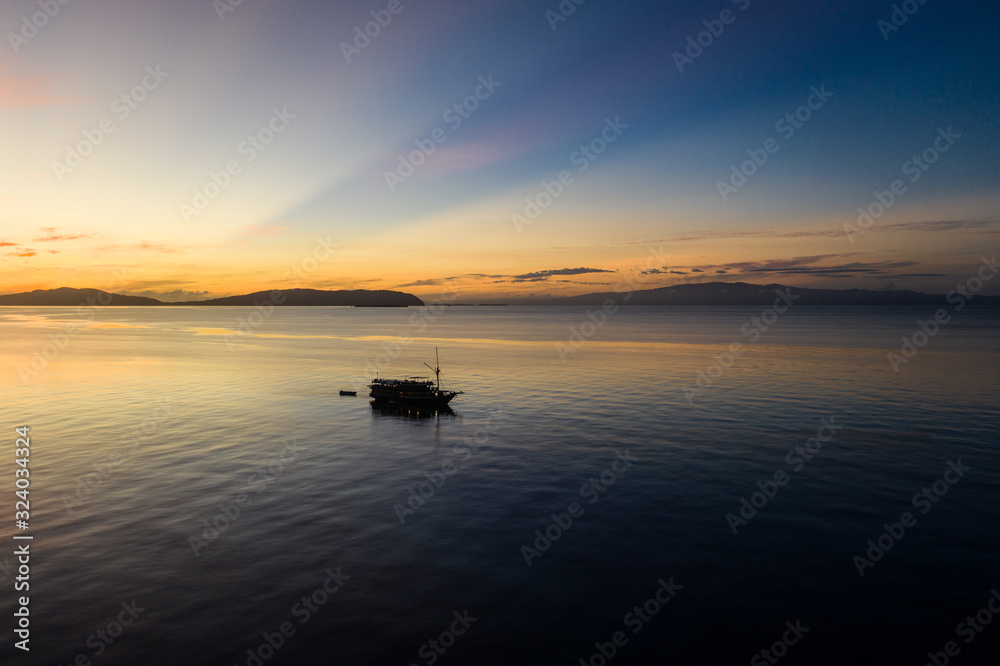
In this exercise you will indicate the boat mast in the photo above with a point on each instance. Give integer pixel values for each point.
(437, 370)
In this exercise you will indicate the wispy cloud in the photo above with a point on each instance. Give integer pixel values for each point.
(171, 296)
(146, 246)
(51, 235)
(927, 226)
(424, 283)
(819, 265)
(540, 276)
(979, 226)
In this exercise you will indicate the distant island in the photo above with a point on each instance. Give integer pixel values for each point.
(742, 293)
(311, 297)
(280, 297)
(709, 293)
(71, 297)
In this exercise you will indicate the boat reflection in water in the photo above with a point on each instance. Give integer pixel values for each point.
(382, 408)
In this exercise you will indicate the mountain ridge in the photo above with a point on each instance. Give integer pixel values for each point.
(705, 293)
(67, 296)
(744, 293)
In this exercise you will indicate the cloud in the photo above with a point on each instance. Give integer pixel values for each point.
(471, 155)
(909, 275)
(842, 270)
(820, 265)
(541, 276)
(746, 233)
(928, 226)
(156, 247)
(423, 283)
(22, 253)
(141, 245)
(173, 296)
(495, 147)
(8, 244)
(53, 236)
(943, 225)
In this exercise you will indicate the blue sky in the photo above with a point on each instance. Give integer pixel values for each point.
(653, 191)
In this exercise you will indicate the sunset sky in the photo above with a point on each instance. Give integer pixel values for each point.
(116, 115)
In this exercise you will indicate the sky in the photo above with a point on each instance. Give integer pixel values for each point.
(192, 149)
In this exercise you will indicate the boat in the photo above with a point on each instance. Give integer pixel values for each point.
(417, 392)
(348, 392)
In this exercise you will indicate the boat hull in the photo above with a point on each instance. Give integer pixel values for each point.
(419, 401)
(417, 392)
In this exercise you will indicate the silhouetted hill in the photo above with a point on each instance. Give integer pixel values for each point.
(74, 297)
(709, 293)
(742, 293)
(291, 297)
(305, 297)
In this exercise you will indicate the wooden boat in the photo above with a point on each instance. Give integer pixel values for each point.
(419, 392)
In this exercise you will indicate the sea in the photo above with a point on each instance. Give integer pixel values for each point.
(621, 485)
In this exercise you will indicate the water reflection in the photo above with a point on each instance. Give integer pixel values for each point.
(381, 408)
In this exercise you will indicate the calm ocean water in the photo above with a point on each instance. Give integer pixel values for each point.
(193, 493)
